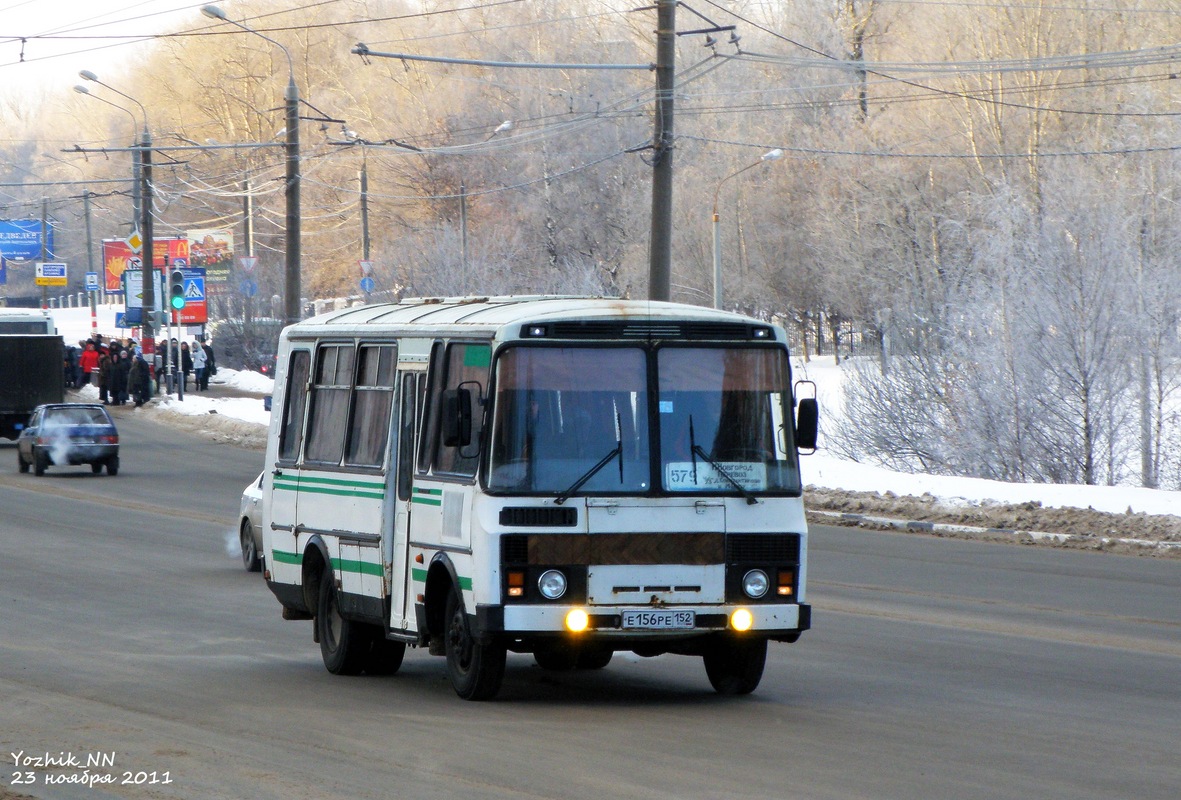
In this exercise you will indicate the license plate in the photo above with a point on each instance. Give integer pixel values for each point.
(659, 620)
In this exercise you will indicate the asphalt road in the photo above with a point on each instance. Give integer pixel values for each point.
(129, 633)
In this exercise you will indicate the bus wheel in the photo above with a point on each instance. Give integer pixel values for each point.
(734, 665)
(476, 670)
(594, 659)
(344, 644)
(385, 656)
(556, 657)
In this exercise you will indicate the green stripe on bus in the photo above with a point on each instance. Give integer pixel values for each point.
(344, 565)
(419, 576)
(361, 567)
(427, 497)
(283, 557)
(332, 486)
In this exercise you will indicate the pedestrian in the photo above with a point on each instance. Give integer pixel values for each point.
(210, 364)
(104, 376)
(120, 372)
(88, 363)
(138, 380)
(186, 365)
(199, 360)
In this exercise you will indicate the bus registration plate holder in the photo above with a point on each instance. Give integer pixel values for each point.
(658, 620)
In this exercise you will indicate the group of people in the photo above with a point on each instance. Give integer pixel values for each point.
(121, 373)
(196, 360)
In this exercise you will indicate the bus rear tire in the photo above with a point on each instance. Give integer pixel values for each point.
(735, 665)
(344, 645)
(385, 655)
(476, 670)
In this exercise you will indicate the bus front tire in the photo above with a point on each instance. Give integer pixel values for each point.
(344, 644)
(476, 670)
(735, 665)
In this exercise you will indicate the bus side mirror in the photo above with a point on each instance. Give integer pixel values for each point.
(457, 417)
(807, 423)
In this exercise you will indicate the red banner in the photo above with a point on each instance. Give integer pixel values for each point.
(117, 258)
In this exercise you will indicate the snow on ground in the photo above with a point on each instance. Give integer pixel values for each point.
(820, 470)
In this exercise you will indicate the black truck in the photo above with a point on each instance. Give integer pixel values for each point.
(30, 374)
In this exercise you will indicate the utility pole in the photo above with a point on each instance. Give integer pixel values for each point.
(248, 222)
(293, 303)
(45, 254)
(147, 253)
(365, 210)
(660, 245)
(90, 264)
(463, 233)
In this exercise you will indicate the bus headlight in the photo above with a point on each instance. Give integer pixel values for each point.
(755, 584)
(552, 584)
(742, 620)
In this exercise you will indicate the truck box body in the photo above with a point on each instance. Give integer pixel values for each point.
(30, 374)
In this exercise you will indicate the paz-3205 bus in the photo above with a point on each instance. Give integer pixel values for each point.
(567, 477)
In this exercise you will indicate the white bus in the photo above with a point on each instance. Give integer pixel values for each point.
(25, 321)
(562, 476)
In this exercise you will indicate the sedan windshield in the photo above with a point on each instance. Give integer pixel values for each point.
(578, 420)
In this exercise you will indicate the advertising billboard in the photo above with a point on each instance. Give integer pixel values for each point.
(213, 250)
(20, 239)
(118, 258)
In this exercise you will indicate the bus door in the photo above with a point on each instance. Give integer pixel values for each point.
(279, 535)
(412, 387)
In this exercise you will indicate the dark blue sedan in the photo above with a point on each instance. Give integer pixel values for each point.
(69, 433)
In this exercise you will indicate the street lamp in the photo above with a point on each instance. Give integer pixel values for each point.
(135, 192)
(772, 155)
(148, 246)
(291, 306)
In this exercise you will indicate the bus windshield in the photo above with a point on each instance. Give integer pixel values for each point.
(722, 416)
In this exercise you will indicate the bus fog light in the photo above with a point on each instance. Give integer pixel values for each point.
(552, 584)
(755, 584)
(577, 620)
(742, 620)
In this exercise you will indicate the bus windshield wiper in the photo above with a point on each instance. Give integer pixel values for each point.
(616, 452)
(695, 450)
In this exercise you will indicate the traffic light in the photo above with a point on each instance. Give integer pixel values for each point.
(177, 290)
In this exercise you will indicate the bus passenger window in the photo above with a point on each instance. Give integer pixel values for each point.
(372, 401)
(329, 414)
(294, 402)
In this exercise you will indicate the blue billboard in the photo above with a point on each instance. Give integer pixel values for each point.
(20, 239)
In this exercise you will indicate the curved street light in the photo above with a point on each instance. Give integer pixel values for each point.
(771, 155)
(291, 304)
(136, 198)
(144, 216)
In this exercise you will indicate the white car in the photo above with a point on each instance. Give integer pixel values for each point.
(250, 525)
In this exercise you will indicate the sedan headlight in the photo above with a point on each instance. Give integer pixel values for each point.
(552, 584)
(755, 584)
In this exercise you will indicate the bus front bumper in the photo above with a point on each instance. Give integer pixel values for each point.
(783, 622)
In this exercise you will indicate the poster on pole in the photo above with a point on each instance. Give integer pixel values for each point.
(214, 251)
(118, 258)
